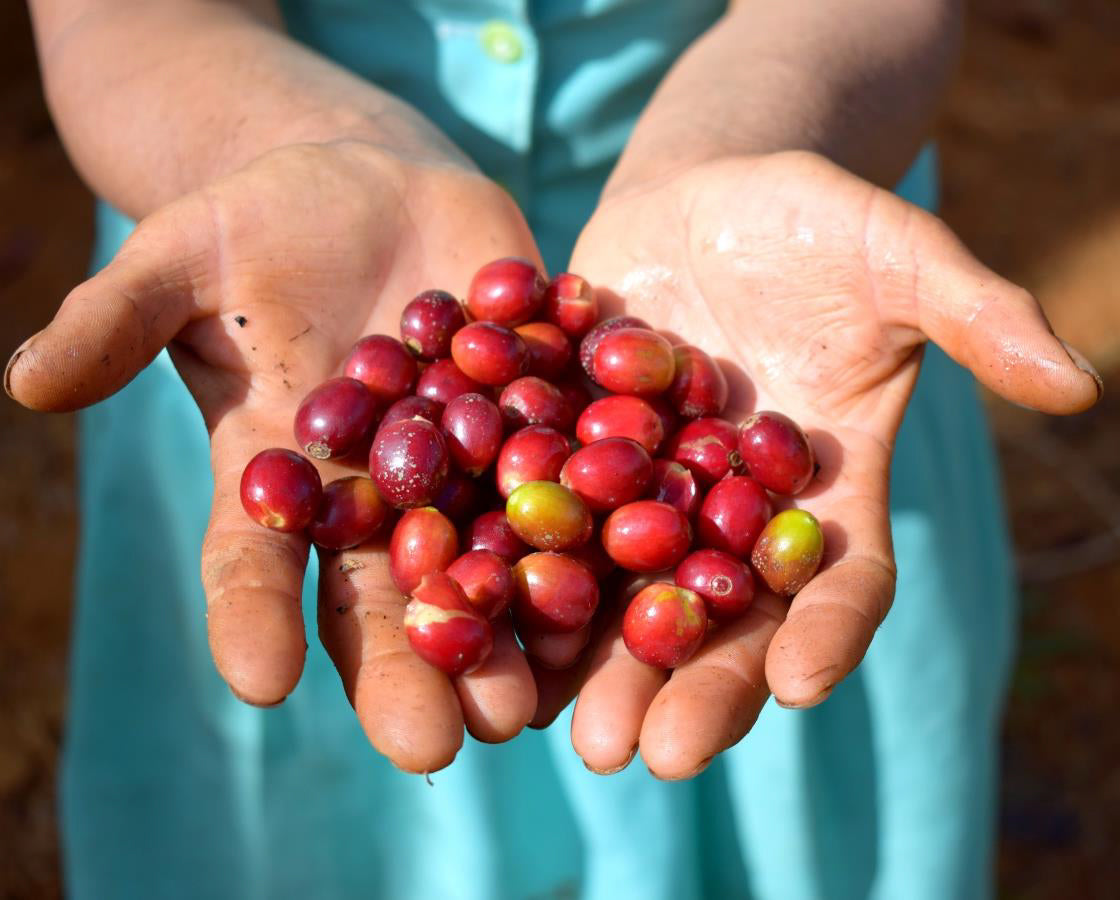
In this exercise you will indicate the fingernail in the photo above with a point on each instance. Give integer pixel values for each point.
(20, 350)
(703, 765)
(629, 759)
(812, 701)
(1085, 366)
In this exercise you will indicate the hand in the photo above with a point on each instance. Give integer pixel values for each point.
(315, 246)
(822, 289)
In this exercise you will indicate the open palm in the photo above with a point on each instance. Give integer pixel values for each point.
(817, 291)
(260, 284)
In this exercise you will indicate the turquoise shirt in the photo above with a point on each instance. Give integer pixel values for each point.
(172, 788)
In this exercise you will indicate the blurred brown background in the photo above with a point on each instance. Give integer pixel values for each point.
(1031, 147)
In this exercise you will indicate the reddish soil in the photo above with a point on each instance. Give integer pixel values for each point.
(1030, 139)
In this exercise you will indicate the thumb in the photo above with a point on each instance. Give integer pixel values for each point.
(994, 328)
(115, 323)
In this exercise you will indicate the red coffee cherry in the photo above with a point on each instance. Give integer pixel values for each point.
(550, 351)
(444, 629)
(334, 418)
(424, 541)
(489, 353)
(672, 483)
(474, 430)
(699, 386)
(647, 536)
(349, 514)
(570, 304)
(608, 473)
(722, 580)
(664, 625)
(628, 417)
(554, 593)
(733, 515)
(776, 452)
(486, 581)
(535, 453)
(590, 342)
(533, 401)
(384, 366)
(428, 323)
(708, 448)
(408, 463)
(281, 490)
(506, 291)
(634, 361)
(443, 381)
(492, 531)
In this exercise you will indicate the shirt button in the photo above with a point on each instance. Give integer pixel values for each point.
(501, 42)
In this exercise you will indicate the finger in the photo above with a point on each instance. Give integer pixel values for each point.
(556, 688)
(408, 709)
(608, 716)
(995, 328)
(832, 619)
(253, 578)
(500, 697)
(114, 324)
(555, 651)
(714, 699)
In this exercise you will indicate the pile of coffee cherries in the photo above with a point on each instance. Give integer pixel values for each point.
(561, 453)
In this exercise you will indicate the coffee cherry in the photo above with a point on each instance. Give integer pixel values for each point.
(412, 408)
(724, 581)
(608, 473)
(489, 353)
(670, 421)
(699, 386)
(708, 448)
(647, 536)
(349, 514)
(485, 579)
(550, 351)
(633, 583)
(428, 322)
(334, 418)
(424, 541)
(281, 490)
(776, 452)
(474, 429)
(443, 629)
(384, 366)
(535, 453)
(492, 531)
(548, 516)
(570, 304)
(554, 593)
(443, 381)
(533, 401)
(594, 557)
(577, 396)
(408, 462)
(628, 417)
(590, 342)
(733, 515)
(672, 483)
(460, 498)
(664, 625)
(634, 361)
(789, 551)
(507, 291)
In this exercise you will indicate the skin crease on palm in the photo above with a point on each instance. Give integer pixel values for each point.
(816, 290)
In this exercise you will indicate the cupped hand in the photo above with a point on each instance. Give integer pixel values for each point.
(818, 292)
(259, 284)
